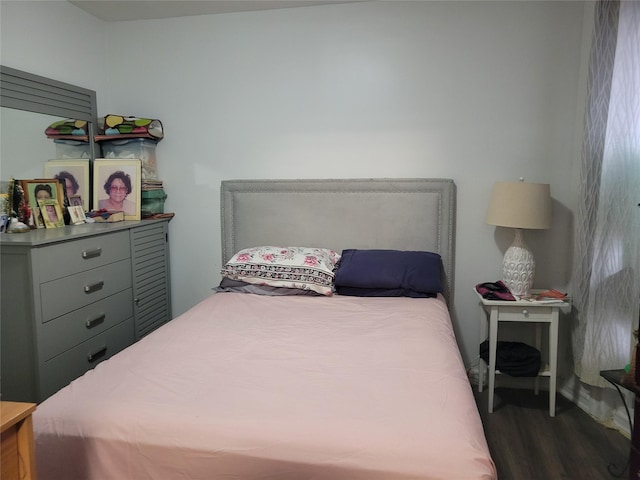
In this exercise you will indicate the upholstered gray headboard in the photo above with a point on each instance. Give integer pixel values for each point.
(398, 214)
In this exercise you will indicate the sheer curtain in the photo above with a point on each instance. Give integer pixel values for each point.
(606, 283)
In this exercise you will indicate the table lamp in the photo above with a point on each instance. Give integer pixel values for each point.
(519, 205)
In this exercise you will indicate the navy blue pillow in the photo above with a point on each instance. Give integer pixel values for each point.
(382, 292)
(411, 271)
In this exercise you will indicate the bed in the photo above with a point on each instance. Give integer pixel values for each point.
(289, 386)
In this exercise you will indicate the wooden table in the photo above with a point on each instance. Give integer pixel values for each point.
(17, 447)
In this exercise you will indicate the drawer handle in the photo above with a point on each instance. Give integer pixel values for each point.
(525, 312)
(92, 357)
(94, 287)
(96, 252)
(94, 322)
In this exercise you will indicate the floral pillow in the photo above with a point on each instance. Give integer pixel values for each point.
(304, 268)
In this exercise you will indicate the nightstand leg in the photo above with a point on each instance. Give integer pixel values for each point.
(538, 327)
(482, 366)
(493, 344)
(553, 360)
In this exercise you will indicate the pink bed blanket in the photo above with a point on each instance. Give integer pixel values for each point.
(252, 387)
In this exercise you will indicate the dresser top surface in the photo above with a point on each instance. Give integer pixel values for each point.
(46, 236)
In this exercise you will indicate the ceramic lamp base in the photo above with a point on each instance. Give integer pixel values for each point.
(518, 267)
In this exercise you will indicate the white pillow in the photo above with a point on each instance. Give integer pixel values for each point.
(305, 268)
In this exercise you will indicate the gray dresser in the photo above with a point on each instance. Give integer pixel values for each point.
(72, 297)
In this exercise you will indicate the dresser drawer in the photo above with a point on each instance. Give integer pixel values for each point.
(61, 370)
(76, 291)
(63, 259)
(524, 314)
(71, 329)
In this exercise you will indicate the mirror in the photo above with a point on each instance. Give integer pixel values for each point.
(26, 92)
(33, 93)
(29, 104)
(24, 147)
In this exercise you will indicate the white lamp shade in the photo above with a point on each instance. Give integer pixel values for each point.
(520, 205)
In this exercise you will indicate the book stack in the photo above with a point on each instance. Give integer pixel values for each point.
(149, 184)
(153, 197)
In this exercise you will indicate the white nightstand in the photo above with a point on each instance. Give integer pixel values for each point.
(524, 311)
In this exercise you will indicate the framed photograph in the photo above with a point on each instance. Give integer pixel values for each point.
(42, 189)
(36, 216)
(76, 212)
(51, 213)
(74, 174)
(116, 186)
(76, 201)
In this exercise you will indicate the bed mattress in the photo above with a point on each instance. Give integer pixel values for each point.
(253, 387)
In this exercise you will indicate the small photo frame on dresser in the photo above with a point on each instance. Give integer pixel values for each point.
(76, 201)
(41, 189)
(51, 213)
(38, 221)
(76, 213)
(117, 186)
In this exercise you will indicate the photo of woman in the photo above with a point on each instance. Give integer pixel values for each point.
(43, 191)
(51, 213)
(116, 186)
(75, 176)
(71, 184)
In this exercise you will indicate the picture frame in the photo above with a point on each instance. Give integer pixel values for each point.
(51, 213)
(117, 186)
(75, 175)
(76, 213)
(36, 216)
(76, 201)
(41, 189)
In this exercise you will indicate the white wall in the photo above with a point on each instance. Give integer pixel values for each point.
(474, 91)
(57, 40)
(477, 91)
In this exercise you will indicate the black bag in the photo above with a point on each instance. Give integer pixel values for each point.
(514, 358)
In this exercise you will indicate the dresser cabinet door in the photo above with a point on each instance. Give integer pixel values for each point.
(150, 267)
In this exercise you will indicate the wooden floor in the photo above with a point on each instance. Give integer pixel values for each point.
(527, 444)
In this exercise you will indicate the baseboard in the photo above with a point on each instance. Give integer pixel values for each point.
(578, 393)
